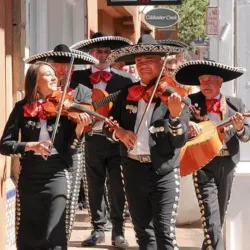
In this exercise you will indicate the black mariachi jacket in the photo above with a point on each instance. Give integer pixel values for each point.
(166, 136)
(229, 106)
(65, 143)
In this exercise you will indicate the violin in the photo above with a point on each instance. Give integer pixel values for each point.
(72, 109)
(168, 86)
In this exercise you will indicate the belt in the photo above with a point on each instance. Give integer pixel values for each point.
(91, 133)
(224, 152)
(140, 158)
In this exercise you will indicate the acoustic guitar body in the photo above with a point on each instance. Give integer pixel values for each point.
(100, 105)
(97, 96)
(200, 150)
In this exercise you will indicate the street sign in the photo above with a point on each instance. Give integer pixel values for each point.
(161, 17)
(143, 2)
(212, 19)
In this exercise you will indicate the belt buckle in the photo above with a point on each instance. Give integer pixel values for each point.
(223, 152)
(90, 133)
(144, 158)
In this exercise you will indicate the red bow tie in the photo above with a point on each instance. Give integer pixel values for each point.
(136, 93)
(34, 109)
(100, 76)
(213, 106)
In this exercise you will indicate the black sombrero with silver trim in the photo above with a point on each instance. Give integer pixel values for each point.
(146, 45)
(173, 43)
(189, 73)
(99, 40)
(62, 54)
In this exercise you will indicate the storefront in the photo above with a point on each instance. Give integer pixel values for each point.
(10, 30)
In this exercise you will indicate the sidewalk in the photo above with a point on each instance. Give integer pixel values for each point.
(188, 238)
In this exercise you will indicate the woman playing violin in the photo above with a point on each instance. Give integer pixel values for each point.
(43, 189)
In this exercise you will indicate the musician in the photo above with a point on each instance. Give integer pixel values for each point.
(60, 59)
(102, 155)
(150, 157)
(213, 183)
(43, 189)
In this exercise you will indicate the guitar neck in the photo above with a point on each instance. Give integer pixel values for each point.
(229, 121)
(104, 101)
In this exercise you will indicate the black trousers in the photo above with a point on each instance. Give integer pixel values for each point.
(81, 197)
(43, 204)
(153, 202)
(102, 156)
(213, 184)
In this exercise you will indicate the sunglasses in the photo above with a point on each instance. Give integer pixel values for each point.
(170, 70)
(103, 51)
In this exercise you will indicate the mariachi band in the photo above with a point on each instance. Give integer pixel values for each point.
(130, 141)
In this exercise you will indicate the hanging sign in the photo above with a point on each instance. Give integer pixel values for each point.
(212, 19)
(161, 17)
(143, 2)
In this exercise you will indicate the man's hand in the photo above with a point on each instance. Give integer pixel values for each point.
(174, 105)
(193, 129)
(127, 137)
(238, 121)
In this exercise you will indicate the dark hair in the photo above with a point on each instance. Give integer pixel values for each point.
(30, 86)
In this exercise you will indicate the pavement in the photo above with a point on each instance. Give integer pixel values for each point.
(189, 237)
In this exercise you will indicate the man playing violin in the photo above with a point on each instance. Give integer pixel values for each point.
(213, 183)
(150, 155)
(102, 156)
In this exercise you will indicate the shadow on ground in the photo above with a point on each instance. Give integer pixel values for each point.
(77, 244)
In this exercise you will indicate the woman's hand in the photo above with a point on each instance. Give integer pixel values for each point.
(42, 147)
(85, 120)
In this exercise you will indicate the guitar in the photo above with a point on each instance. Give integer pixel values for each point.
(200, 150)
(102, 103)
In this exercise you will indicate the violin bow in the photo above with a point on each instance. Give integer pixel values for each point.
(153, 93)
(53, 136)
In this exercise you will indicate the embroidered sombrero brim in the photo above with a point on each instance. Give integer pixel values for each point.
(113, 42)
(189, 73)
(128, 54)
(63, 57)
(173, 43)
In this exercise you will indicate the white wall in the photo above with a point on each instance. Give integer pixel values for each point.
(223, 50)
(50, 23)
(243, 60)
(234, 50)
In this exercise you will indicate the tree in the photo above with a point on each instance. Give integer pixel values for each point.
(192, 22)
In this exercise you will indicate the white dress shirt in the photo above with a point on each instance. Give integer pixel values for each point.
(44, 136)
(216, 118)
(142, 143)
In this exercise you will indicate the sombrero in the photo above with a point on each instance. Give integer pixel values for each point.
(173, 43)
(62, 54)
(146, 45)
(99, 40)
(189, 73)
